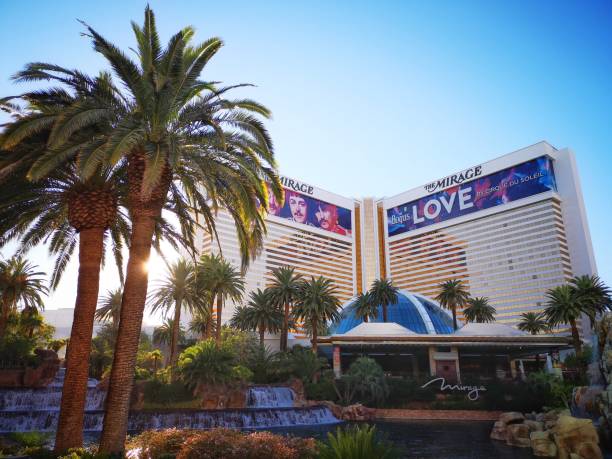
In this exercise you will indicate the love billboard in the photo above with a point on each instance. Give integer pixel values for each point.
(516, 182)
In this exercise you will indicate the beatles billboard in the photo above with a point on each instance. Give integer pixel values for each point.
(516, 182)
(309, 211)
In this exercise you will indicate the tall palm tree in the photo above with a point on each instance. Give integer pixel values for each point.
(316, 303)
(364, 306)
(20, 284)
(175, 292)
(453, 294)
(201, 323)
(533, 323)
(30, 320)
(479, 310)
(109, 307)
(283, 291)
(182, 141)
(593, 294)
(383, 292)
(227, 283)
(259, 314)
(564, 307)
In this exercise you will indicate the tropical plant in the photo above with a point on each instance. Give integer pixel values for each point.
(109, 307)
(164, 333)
(365, 378)
(316, 303)
(453, 294)
(364, 307)
(207, 363)
(384, 293)
(30, 321)
(283, 291)
(564, 307)
(533, 323)
(175, 292)
(264, 364)
(304, 364)
(20, 285)
(479, 310)
(201, 323)
(260, 314)
(356, 442)
(181, 138)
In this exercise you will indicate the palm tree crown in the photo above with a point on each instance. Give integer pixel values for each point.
(453, 294)
(259, 314)
(317, 303)
(383, 292)
(564, 307)
(109, 308)
(283, 291)
(479, 310)
(364, 306)
(533, 323)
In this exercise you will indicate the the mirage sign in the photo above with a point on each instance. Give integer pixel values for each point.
(517, 182)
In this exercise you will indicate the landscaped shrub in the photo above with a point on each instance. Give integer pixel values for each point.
(323, 389)
(357, 442)
(160, 392)
(405, 390)
(30, 439)
(17, 350)
(208, 364)
(221, 443)
(364, 382)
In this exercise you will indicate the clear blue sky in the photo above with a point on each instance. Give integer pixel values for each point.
(376, 98)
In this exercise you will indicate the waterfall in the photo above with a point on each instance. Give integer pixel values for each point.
(26, 410)
(270, 397)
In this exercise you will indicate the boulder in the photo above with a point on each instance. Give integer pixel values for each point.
(512, 418)
(576, 436)
(499, 432)
(298, 389)
(542, 445)
(40, 376)
(518, 435)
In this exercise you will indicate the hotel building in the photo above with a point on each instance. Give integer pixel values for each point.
(510, 228)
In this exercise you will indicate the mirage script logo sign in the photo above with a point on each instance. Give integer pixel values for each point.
(296, 186)
(456, 179)
(473, 392)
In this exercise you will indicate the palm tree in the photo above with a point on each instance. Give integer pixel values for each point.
(316, 303)
(283, 291)
(109, 309)
(364, 307)
(564, 307)
(20, 284)
(593, 294)
(175, 292)
(201, 323)
(182, 141)
(259, 314)
(533, 323)
(383, 292)
(163, 334)
(453, 294)
(30, 320)
(479, 310)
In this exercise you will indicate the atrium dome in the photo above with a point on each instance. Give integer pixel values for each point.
(413, 311)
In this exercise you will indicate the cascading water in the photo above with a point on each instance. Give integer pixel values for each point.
(23, 410)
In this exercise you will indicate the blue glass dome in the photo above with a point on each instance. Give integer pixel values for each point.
(415, 312)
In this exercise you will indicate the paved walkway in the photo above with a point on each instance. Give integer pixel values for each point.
(438, 415)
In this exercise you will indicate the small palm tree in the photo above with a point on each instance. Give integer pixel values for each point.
(564, 307)
(20, 284)
(163, 333)
(156, 356)
(316, 303)
(109, 307)
(259, 314)
(383, 292)
(175, 292)
(533, 323)
(30, 320)
(364, 307)
(453, 294)
(479, 310)
(283, 291)
(201, 325)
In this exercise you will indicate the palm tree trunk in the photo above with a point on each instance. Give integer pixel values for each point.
(126, 347)
(209, 320)
(454, 309)
(384, 308)
(176, 326)
(576, 337)
(72, 409)
(365, 318)
(285, 330)
(314, 335)
(219, 312)
(4, 317)
(262, 332)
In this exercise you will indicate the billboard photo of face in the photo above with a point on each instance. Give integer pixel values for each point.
(309, 211)
(511, 184)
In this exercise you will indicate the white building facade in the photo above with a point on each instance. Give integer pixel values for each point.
(510, 228)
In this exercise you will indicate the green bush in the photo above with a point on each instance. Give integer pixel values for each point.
(206, 363)
(405, 390)
(30, 439)
(322, 389)
(18, 350)
(357, 442)
(363, 382)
